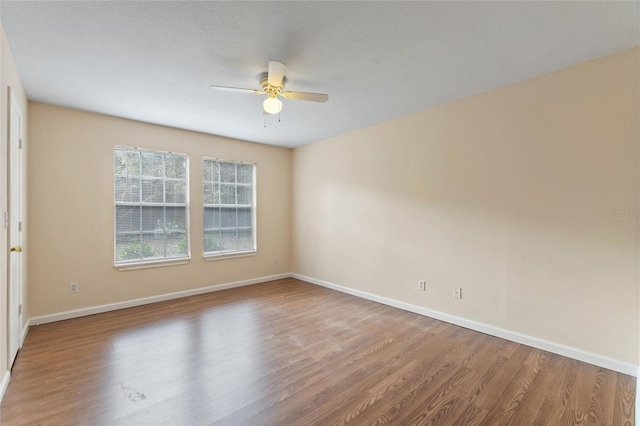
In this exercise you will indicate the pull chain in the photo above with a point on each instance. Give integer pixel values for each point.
(265, 119)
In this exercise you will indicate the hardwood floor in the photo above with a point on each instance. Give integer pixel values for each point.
(291, 353)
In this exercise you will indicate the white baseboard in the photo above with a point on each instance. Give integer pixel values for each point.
(557, 348)
(147, 300)
(4, 382)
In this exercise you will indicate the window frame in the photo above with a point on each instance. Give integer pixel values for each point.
(157, 261)
(227, 254)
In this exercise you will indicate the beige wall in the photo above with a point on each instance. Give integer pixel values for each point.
(71, 211)
(9, 78)
(504, 194)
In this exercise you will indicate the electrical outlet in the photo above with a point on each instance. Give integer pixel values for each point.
(274, 260)
(73, 287)
(422, 285)
(457, 293)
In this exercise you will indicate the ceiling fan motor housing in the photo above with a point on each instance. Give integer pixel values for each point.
(269, 89)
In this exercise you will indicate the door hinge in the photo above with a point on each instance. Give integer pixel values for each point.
(20, 226)
(20, 143)
(20, 310)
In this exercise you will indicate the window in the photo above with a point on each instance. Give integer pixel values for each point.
(150, 206)
(229, 207)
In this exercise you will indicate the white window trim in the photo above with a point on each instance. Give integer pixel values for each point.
(155, 262)
(131, 266)
(212, 256)
(228, 255)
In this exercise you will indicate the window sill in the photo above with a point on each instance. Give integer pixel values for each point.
(223, 256)
(151, 264)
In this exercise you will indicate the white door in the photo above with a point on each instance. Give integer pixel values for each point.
(15, 229)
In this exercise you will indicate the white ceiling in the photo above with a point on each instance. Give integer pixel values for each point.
(154, 61)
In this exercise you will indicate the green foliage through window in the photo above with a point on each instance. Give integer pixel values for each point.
(136, 251)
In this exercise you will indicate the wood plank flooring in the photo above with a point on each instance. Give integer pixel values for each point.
(291, 353)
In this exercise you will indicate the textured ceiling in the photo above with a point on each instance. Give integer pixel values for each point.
(154, 61)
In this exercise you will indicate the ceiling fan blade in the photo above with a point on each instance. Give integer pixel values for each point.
(276, 73)
(306, 96)
(236, 89)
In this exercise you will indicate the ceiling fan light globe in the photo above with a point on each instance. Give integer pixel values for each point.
(272, 105)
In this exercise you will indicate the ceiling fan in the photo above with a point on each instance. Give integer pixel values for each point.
(272, 83)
